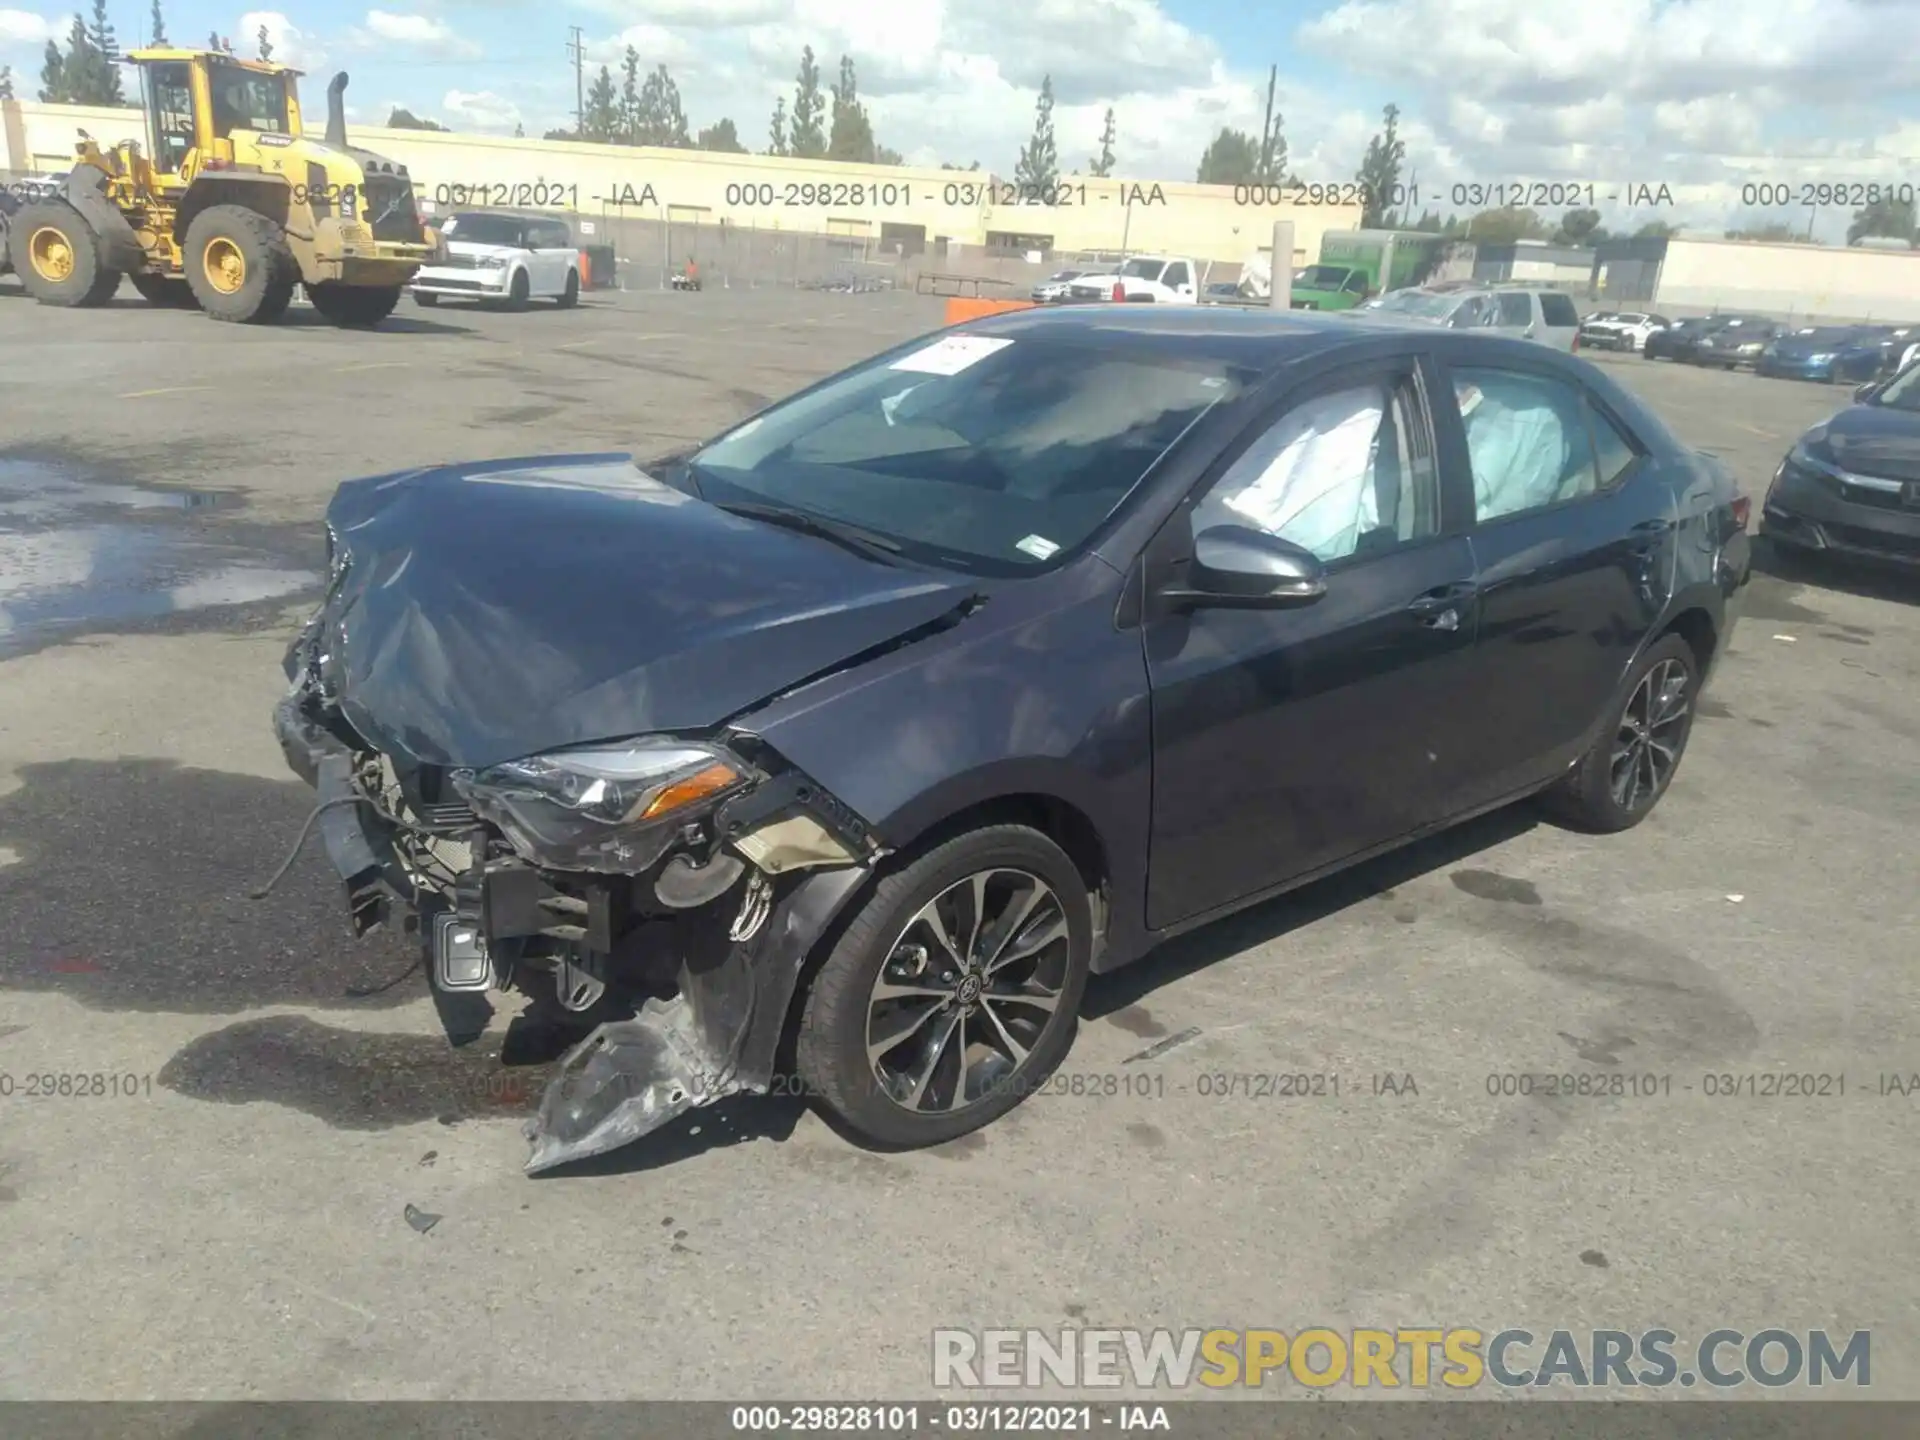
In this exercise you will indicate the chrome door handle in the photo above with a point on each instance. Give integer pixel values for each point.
(1445, 620)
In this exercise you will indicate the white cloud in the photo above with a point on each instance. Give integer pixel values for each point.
(291, 45)
(23, 27)
(655, 45)
(480, 110)
(418, 32)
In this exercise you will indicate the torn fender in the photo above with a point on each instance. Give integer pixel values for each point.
(719, 1036)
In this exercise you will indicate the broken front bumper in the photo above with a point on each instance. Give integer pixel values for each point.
(718, 1035)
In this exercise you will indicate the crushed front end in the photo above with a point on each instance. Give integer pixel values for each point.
(663, 893)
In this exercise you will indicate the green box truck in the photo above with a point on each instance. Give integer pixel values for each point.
(1357, 264)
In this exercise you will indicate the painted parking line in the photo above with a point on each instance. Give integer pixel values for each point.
(374, 365)
(165, 390)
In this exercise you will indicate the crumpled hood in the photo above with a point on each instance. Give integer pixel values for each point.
(1872, 440)
(493, 611)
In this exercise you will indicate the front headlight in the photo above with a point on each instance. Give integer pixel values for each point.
(607, 808)
(1820, 359)
(1752, 347)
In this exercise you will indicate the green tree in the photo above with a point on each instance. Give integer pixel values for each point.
(662, 121)
(777, 133)
(851, 138)
(1506, 225)
(1580, 227)
(808, 137)
(266, 44)
(53, 77)
(406, 120)
(963, 169)
(559, 135)
(6, 82)
(630, 97)
(1890, 217)
(519, 131)
(106, 49)
(602, 119)
(1232, 159)
(1772, 233)
(1038, 169)
(720, 136)
(158, 25)
(1102, 165)
(1379, 173)
(1656, 230)
(884, 156)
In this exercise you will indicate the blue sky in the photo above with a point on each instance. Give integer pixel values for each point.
(1704, 96)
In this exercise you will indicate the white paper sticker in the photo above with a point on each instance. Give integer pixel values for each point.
(951, 355)
(1038, 546)
(586, 227)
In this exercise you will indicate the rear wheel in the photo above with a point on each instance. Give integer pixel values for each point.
(169, 291)
(570, 297)
(1626, 773)
(59, 258)
(425, 297)
(238, 265)
(355, 307)
(954, 990)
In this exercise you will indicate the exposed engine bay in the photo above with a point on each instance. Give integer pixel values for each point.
(661, 893)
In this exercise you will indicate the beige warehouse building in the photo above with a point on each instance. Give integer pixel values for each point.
(904, 210)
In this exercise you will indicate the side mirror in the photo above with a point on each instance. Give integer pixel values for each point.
(1867, 391)
(1236, 567)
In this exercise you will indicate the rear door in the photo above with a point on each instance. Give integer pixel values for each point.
(1559, 321)
(1178, 277)
(1573, 539)
(1513, 314)
(1288, 740)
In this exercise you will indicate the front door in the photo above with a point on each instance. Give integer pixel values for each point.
(1287, 740)
(1574, 546)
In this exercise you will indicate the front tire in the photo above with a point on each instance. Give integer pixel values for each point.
(353, 307)
(58, 257)
(518, 290)
(425, 297)
(954, 991)
(238, 265)
(1623, 777)
(570, 297)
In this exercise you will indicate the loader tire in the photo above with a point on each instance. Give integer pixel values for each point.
(168, 291)
(354, 307)
(58, 257)
(238, 265)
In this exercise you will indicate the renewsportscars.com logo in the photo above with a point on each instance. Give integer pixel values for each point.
(1459, 1358)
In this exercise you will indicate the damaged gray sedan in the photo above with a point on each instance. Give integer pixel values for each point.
(835, 754)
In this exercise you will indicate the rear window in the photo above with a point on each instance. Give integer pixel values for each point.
(1558, 310)
(975, 452)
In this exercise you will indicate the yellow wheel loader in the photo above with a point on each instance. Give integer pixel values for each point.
(228, 206)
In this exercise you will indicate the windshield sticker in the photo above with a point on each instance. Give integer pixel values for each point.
(951, 355)
(1038, 546)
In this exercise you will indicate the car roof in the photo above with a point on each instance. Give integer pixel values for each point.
(520, 215)
(1262, 340)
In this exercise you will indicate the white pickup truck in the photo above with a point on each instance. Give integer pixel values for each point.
(1162, 279)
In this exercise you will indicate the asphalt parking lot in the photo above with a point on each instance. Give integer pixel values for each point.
(229, 1219)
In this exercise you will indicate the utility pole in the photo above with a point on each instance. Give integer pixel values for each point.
(1266, 176)
(579, 53)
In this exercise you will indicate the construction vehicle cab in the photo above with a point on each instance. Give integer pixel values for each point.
(228, 204)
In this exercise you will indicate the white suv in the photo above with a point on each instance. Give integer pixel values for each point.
(506, 258)
(1628, 331)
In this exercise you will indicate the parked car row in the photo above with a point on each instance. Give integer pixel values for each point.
(1850, 486)
(1831, 354)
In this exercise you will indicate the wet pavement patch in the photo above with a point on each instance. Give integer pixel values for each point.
(81, 554)
(130, 894)
(353, 1080)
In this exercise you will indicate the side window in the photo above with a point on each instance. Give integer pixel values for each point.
(1346, 472)
(1527, 438)
(1176, 274)
(170, 109)
(1516, 310)
(1472, 311)
(1611, 448)
(1557, 310)
(1356, 283)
